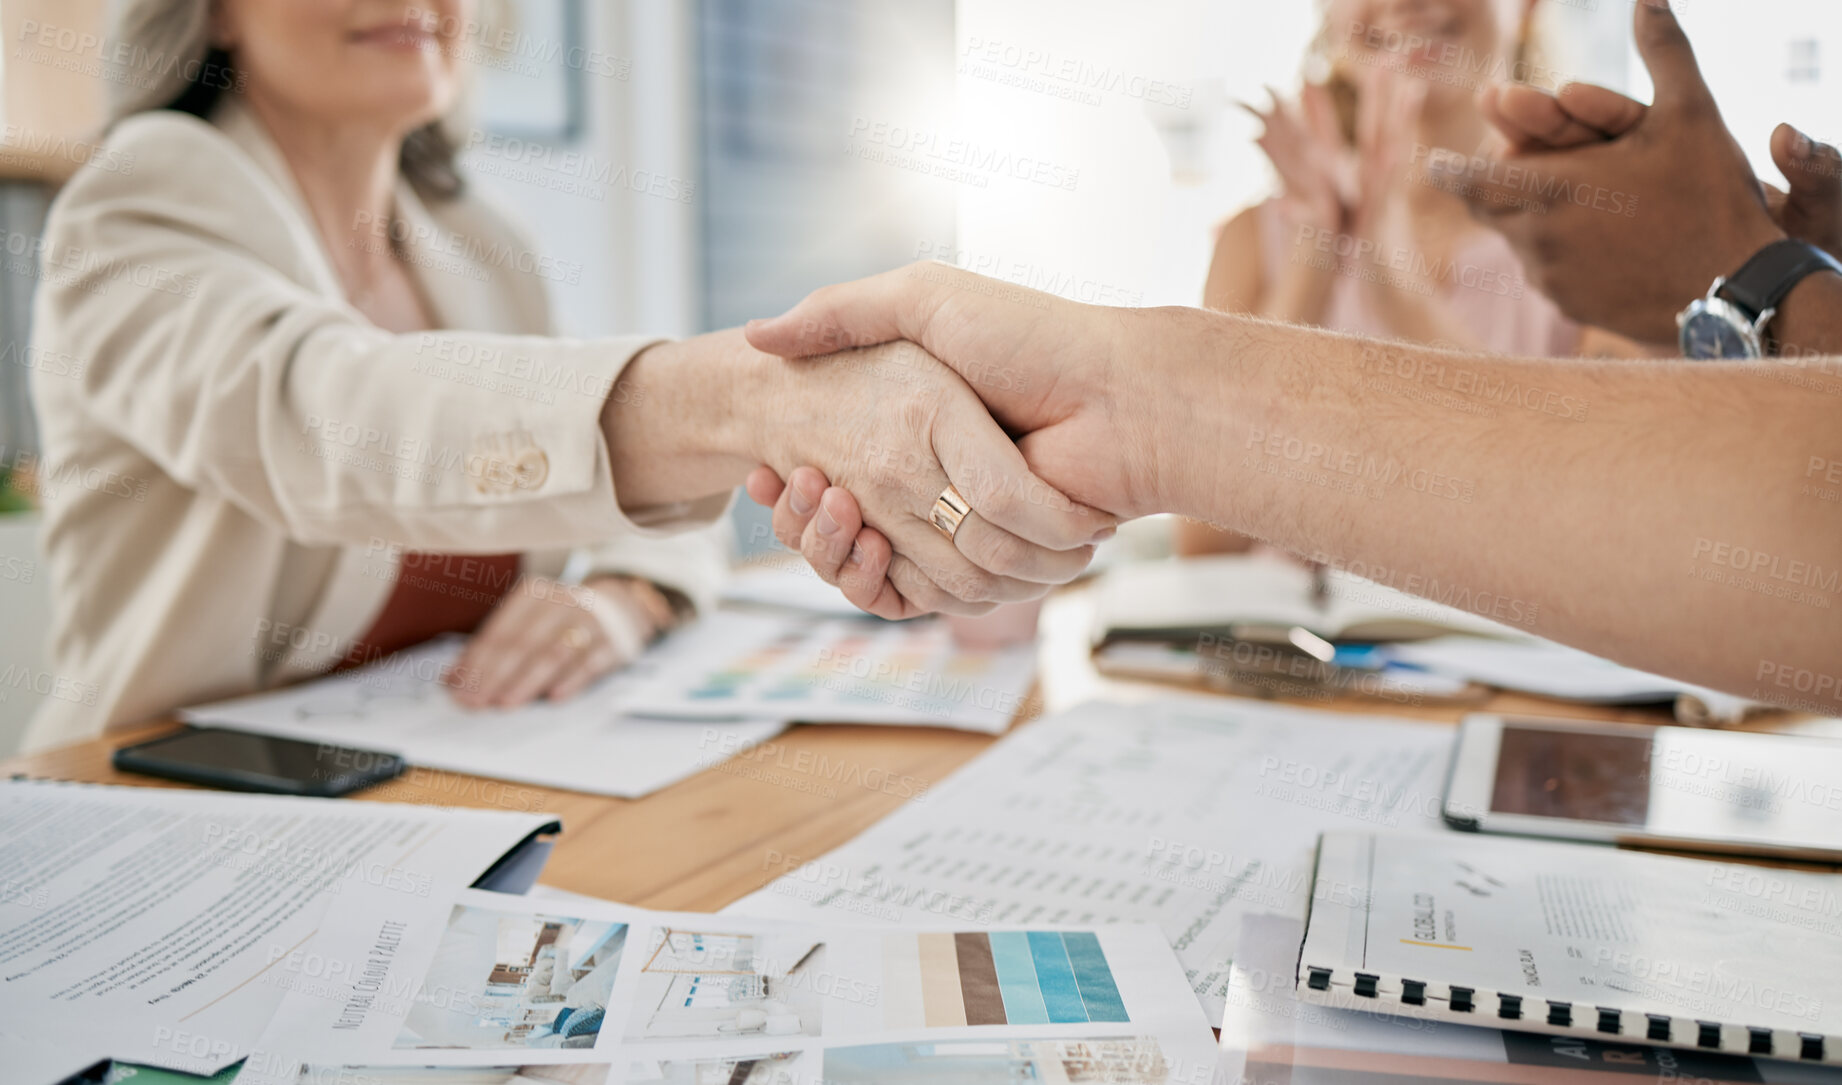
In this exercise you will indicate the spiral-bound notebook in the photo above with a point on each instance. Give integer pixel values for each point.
(1579, 939)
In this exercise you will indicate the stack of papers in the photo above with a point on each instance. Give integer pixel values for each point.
(315, 941)
(716, 687)
(1194, 620)
(1539, 666)
(588, 991)
(1263, 597)
(1542, 667)
(145, 925)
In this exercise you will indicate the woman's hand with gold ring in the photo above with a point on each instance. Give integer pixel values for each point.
(550, 641)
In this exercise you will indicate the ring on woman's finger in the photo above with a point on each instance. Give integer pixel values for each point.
(575, 638)
(950, 510)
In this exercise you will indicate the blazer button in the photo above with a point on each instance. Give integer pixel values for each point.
(505, 463)
(530, 469)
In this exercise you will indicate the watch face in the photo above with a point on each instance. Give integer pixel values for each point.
(1707, 334)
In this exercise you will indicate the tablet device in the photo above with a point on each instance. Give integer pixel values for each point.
(1679, 787)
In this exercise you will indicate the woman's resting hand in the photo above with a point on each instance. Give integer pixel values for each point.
(550, 641)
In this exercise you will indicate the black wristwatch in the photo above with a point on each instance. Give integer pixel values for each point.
(1729, 324)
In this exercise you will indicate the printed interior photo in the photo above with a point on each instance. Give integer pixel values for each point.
(709, 985)
(506, 980)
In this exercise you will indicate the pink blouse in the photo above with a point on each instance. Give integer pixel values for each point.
(1481, 285)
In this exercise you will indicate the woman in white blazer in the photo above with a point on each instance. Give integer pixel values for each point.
(319, 415)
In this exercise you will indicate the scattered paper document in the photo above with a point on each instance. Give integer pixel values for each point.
(838, 671)
(151, 916)
(1186, 812)
(398, 705)
(1539, 666)
(1542, 667)
(484, 979)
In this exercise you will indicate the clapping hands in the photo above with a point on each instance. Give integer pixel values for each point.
(1531, 121)
(1318, 173)
(1624, 213)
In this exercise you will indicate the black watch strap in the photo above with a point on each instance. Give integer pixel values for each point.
(1773, 272)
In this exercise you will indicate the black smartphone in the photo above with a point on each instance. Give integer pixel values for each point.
(244, 761)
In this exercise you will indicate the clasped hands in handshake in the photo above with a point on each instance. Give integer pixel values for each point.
(1034, 415)
(1009, 397)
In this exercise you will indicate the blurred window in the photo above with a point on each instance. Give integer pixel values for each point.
(785, 86)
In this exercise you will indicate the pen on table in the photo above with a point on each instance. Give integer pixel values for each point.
(1311, 644)
(801, 963)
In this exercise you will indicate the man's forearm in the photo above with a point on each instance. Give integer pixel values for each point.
(1642, 511)
(682, 422)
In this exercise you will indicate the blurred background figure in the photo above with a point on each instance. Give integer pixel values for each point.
(1354, 240)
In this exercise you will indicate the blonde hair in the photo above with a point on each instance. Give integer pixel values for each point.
(175, 66)
(1321, 65)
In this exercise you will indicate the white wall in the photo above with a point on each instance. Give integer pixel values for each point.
(1145, 109)
(1745, 50)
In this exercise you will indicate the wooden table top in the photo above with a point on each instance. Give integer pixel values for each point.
(717, 836)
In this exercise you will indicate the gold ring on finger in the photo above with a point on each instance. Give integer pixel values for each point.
(950, 510)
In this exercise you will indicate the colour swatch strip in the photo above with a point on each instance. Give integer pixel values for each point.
(1008, 978)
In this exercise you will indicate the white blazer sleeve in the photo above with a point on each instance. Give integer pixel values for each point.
(187, 289)
(695, 564)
